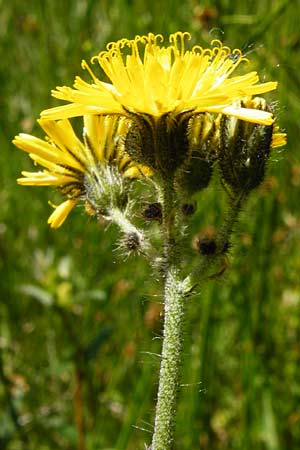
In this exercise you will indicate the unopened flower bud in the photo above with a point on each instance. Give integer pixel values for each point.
(244, 149)
(132, 241)
(206, 246)
(196, 173)
(188, 209)
(209, 244)
(153, 212)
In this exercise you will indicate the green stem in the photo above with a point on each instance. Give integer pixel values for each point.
(174, 313)
(176, 290)
(120, 219)
(229, 221)
(136, 239)
(222, 240)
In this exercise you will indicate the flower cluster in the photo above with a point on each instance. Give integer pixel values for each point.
(168, 112)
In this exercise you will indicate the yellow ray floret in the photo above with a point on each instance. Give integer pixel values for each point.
(149, 78)
(61, 212)
(67, 160)
(278, 139)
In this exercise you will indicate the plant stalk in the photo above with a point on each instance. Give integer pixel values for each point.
(174, 313)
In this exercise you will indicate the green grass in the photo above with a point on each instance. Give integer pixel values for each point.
(76, 314)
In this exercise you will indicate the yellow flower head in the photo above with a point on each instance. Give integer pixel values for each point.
(149, 78)
(68, 161)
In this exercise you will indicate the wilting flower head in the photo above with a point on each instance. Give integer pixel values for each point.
(158, 88)
(84, 169)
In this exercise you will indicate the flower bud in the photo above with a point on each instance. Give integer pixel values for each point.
(132, 241)
(244, 149)
(188, 209)
(196, 173)
(206, 246)
(153, 212)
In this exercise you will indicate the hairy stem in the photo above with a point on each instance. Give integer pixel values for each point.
(174, 313)
(230, 219)
(121, 220)
(222, 240)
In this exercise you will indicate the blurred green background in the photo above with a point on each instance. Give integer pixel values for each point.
(78, 320)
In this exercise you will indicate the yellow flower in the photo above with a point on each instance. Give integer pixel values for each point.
(151, 79)
(68, 161)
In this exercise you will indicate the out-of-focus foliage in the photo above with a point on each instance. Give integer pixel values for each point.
(78, 319)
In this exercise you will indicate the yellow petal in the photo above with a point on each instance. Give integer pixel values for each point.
(249, 114)
(73, 110)
(60, 213)
(166, 79)
(43, 179)
(45, 150)
(278, 140)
